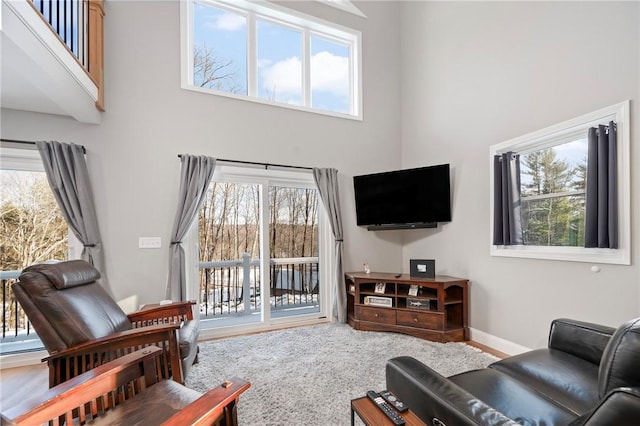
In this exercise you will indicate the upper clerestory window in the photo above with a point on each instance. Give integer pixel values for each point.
(269, 54)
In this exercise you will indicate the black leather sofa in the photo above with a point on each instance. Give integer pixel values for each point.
(588, 375)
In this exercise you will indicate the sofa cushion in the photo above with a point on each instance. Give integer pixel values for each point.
(583, 339)
(619, 365)
(512, 398)
(188, 337)
(151, 407)
(568, 380)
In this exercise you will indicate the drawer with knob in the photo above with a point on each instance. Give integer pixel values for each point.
(380, 315)
(430, 320)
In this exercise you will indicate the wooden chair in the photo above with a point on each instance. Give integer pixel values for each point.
(82, 327)
(129, 390)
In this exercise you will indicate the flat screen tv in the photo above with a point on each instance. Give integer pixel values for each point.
(403, 199)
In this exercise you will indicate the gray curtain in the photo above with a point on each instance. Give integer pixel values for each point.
(601, 209)
(68, 177)
(327, 183)
(195, 176)
(507, 225)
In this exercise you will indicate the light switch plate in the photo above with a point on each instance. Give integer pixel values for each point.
(149, 242)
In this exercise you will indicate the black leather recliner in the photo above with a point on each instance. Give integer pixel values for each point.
(589, 375)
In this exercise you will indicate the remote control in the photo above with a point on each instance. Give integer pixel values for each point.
(386, 408)
(393, 400)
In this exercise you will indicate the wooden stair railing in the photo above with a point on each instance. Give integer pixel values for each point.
(86, 42)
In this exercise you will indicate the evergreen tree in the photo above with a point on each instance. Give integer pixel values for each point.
(549, 221)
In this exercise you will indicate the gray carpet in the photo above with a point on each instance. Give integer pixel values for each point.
(308, 375)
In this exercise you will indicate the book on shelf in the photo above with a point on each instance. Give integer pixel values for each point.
(378, 301)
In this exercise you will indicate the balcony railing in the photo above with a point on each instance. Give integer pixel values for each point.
(228, 288)
(233, 287)
(15, 324)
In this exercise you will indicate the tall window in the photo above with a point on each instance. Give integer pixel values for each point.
(259, 244)
(553, 178)
(271, 54)
(33, 229)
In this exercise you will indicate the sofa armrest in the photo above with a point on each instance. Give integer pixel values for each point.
(121, 339)
(67, 397)
(618, 407)
(582, 339)
(218, 402)
(75, 360)
(171, 312)
(431, 395)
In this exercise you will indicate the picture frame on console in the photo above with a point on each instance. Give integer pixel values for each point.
(422, 268)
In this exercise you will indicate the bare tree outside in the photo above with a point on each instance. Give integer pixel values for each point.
(212, 72)
(229, 223)
(33, 231)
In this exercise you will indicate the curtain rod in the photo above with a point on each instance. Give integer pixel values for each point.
(254, 163)
(84, 150)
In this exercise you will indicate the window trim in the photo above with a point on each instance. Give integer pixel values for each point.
(550, 136)
(309, 26)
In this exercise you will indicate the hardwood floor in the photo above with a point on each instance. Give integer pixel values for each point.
(487, 349)
(17, 384)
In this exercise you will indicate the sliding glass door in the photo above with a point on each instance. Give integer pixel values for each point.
(259, 243)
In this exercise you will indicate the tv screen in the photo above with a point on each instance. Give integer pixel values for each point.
(410, 196)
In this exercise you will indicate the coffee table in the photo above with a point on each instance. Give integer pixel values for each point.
(371, 415)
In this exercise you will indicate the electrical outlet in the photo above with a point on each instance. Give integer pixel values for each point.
(149, 242)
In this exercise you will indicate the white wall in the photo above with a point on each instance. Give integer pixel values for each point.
(479, 73)
(132, 155)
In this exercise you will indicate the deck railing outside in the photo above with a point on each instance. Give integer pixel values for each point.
(15, 324)
(230, 287)
(223, 284)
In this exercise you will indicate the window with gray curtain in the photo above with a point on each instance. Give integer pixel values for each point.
(548, 200)
(575, 190)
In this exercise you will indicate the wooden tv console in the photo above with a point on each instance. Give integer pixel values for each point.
(438, 312)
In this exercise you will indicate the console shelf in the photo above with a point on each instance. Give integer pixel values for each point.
(430, 308)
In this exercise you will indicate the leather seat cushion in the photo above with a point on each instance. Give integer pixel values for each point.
(567, 380)
(151, 407)
(512, 398)
(188, 337)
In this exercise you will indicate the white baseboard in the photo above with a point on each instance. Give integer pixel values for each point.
(207, 333)
(22, 359)
(496, 343)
